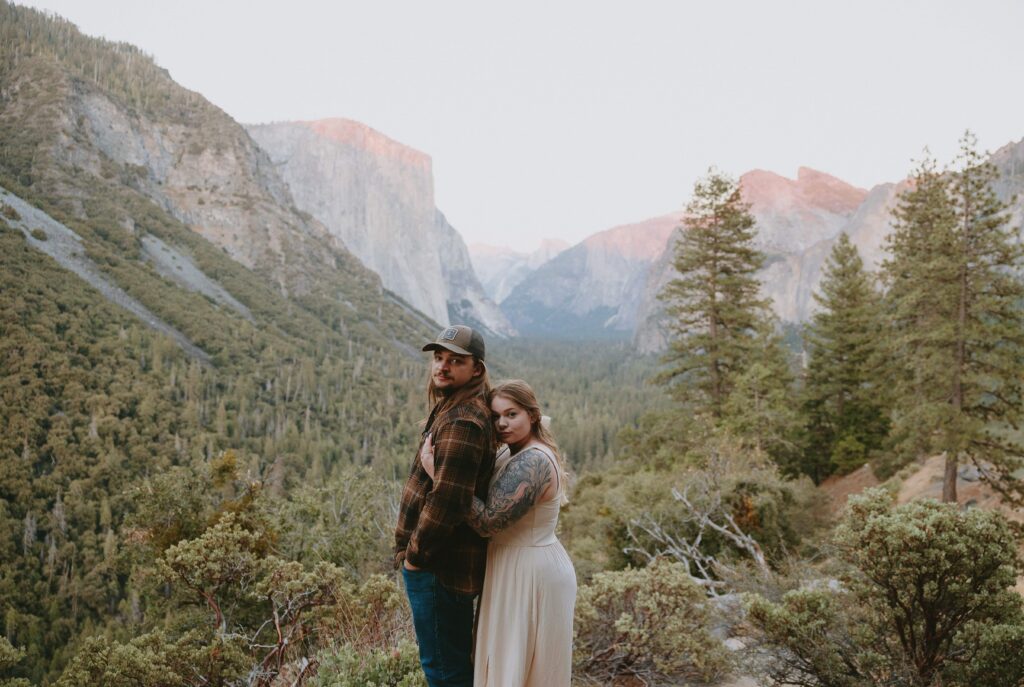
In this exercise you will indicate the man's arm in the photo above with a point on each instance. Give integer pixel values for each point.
(516, 490)
(459, 448)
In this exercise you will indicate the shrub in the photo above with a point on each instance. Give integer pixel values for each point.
(926, 599)
(347, 666)
(38, 234)
(9, 212)
(650, 622)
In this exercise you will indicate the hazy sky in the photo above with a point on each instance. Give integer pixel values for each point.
(564, 118)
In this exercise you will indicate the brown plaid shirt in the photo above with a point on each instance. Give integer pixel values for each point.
(432, 532)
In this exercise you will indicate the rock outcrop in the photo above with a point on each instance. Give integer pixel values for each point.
(376, 197)
(594, 289)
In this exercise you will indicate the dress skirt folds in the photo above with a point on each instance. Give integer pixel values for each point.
(524, 638)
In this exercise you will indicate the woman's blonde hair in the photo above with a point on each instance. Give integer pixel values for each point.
(520, 393)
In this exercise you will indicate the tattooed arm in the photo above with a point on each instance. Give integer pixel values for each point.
(520, 485)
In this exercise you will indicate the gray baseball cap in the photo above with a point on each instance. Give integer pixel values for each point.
(459, 339)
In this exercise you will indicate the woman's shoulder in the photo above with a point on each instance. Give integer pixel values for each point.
(535, 453)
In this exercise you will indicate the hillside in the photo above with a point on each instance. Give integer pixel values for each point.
(163, 302)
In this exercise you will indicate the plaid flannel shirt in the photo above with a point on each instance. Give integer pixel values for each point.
(432, 532)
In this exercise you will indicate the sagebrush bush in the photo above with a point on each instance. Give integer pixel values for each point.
(347, 666)
(650, 622)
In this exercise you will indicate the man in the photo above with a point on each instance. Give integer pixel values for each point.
(442, 558)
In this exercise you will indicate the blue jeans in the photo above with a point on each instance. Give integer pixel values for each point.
(444, 629)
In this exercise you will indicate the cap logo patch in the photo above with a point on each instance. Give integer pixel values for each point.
(449, 334)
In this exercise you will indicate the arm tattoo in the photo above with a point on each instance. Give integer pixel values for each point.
(516, 490)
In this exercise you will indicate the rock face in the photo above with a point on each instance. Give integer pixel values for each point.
(376, 197)
(798, 223)
(795, 218)
(501, 269)
(594, 289)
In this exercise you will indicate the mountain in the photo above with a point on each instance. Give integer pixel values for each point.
(163, 307)
(593, 289)
(501, 269)
(375, 196)
(790, 218)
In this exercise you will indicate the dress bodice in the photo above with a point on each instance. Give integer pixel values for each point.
(537, 527)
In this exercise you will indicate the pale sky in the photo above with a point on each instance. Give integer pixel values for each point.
(560, 119)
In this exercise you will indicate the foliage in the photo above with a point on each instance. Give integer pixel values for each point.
(651, 622)
(347, 667)
(9, 656)
(714, 303)
(599, 526)
(926, 600)
(759, 409)
(954, 306)
(844, 414)
(588, 389)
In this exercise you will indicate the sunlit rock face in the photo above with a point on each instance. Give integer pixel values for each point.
(797, 220)
(376, 196)
(593, 289)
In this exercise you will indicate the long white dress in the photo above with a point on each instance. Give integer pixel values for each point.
(524, 638)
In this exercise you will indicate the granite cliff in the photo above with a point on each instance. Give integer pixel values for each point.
(593, 289)
(375, 196)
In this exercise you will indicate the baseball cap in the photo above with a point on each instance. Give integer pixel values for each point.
(459, 339)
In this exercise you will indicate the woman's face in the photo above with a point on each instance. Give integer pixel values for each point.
(512, 422)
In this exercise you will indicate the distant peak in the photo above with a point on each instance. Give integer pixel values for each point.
(810, 188)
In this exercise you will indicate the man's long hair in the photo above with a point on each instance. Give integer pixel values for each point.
(476, 390)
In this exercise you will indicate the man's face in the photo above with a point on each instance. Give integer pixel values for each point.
(451, 371)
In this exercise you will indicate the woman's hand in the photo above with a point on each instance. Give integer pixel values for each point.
(427, 455)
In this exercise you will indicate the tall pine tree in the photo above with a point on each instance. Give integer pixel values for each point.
(844, 416)
(955, 298)
(714, 304)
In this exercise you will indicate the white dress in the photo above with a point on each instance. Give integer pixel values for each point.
(524, 638)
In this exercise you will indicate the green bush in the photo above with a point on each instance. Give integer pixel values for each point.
(926, 600)
(39, 235)
(346, 666)
(9, 212)
(651, 622)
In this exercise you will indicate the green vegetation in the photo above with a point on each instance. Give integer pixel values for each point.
(652, 623)
(714, 304)
(164, 521)
(954, 304)
(846, 420)
(925, 599)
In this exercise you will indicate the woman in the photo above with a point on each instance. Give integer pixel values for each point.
(524, 637)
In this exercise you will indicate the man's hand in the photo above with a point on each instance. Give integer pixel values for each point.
(409, 566)
(427, 456)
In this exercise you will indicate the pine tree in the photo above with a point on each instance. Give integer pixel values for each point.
(955, 298)
(714, 303)
(759, 409)
(844, 416)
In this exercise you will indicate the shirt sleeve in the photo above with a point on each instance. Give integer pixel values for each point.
(458, 450)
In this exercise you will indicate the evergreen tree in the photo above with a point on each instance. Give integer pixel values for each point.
(954, 299)
(759, 409)
(714, 303)
(844, 418)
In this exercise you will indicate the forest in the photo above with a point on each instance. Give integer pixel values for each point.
(168, 520)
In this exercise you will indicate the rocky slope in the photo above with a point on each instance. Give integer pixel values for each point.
(375, 196)
(147, 173)
(594, 289)
(501, 268)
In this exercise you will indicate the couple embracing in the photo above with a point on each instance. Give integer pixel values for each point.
(476, 520)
